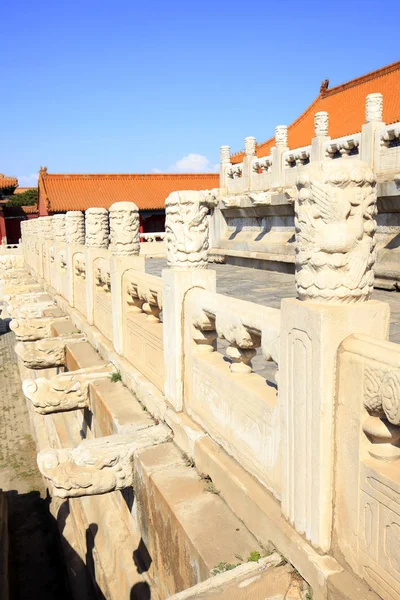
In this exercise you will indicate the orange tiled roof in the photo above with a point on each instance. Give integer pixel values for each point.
(30, 210)
(22, 190)
(346, 107)
(7, 182)
(149, 191)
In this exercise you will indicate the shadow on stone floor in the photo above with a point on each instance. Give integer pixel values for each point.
(43, 564)
(36, 568)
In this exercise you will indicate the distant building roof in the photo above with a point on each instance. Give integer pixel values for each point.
(60, 192)
(21, 190)
(30, 210)
(7, 182)
(345, 105)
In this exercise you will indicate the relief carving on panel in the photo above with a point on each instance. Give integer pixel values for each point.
(80, 266)
(102, 278)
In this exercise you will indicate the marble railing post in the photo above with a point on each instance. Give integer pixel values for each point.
(225, 163)
(24, 240)
(321, 128)
(250, 145)
(59, 244)
(373, 121)
(335, 255)
(46, 236)
(281, 145)
(34, 245)
(125, 249)
(187, 241)
(75, 239)
(96, 242)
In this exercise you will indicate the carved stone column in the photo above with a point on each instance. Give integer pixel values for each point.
(75, 227)
(96, 242)
(321, 129)
(75, 236)
(374, 108)
(335, 254)
(186, 229)
(225, 163)
(373, 121)
(124, 229)
(47, 227)
(281, 145)
(59, 228)
(125, 249)
(321, 124)
(250, 145)
(97, 232)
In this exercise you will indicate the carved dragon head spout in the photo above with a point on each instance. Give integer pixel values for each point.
(98, 465)
(46, 353)
(94, 467)
(186, 228)
(335, 228)
(63, 392)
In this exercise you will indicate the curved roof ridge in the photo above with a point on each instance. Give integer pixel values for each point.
(363, 79)
(124, 175)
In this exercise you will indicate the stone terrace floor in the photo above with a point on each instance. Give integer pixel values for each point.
(268, 288)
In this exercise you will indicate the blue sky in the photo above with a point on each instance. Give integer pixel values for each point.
(129, 86)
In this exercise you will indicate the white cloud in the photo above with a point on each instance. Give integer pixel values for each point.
(192, 163)
(28, 180)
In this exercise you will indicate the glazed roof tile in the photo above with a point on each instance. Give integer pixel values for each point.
(148, 191)
(7, 182)
(345, 105)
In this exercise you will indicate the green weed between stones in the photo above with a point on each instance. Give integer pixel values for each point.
(116, 376)
(254, 556)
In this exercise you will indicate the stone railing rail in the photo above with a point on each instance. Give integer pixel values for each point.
(234, 404)
(244, 325)
(144, 294)
(346, 146)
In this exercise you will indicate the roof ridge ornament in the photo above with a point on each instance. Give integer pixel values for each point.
(324, 87)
